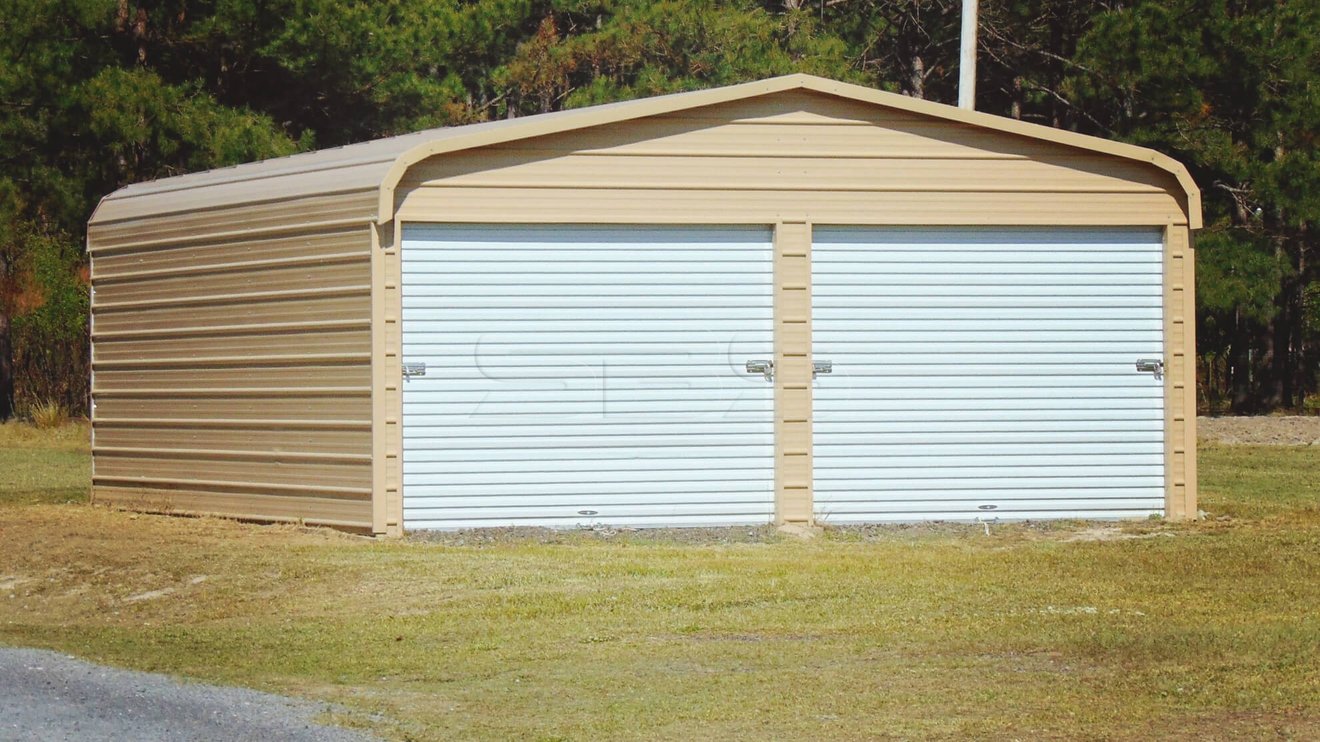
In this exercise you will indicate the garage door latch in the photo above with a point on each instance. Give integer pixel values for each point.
(414, 369)
(765, 368)
(1151, 366)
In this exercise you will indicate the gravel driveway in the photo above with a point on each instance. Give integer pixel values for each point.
(50, 697)
(1281, 430)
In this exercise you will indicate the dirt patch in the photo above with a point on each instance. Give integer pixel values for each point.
(534, 535)
(1112, 533)
(150, 595)
(1260, 431)
(1063, 530)
(1237, 725)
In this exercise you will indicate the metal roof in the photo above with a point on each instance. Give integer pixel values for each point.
(381, 163)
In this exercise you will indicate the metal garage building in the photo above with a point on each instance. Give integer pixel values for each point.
(792, 300)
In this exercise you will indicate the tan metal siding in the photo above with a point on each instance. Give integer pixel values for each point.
(213, 313)
(230, 378)
(293, 216)
(794, 159)
(765, 171)
(272, 190)
(717, 206)
(187, 286)
(218, 437)
(828, 161)
(232, 362)
(202, 499)
(237, 302)
(379, 165)
(256, 252)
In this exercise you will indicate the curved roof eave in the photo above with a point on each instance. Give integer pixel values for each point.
(533, 126)
(382, 163)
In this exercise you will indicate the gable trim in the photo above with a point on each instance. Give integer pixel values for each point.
(574, 119)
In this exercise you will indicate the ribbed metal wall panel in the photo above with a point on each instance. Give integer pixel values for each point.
(798, 155)
(585, 375)
(231, 365)
(987, 373)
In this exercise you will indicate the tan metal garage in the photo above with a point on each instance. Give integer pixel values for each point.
(793, 300)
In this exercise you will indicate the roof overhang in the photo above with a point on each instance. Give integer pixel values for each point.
(380, 165)
(535, 126)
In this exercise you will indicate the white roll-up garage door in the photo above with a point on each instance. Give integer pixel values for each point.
(987, 373)
(586, 375)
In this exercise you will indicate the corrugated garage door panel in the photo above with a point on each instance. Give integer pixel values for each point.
(583, 375)
(987, 373)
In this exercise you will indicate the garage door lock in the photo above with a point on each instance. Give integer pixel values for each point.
(765, 368)
(415, 368)
(1151, 366)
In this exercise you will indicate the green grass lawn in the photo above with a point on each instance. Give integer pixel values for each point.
(1140, 630)
(1260, 481)
(43, 466)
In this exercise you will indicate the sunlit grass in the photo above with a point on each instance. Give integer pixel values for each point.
(1260, 481)
(43, 465)
(1113, 631)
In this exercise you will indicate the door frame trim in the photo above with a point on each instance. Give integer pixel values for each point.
(793, 404)
(793, 411)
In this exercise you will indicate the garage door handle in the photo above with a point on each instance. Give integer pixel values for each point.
(1151, 366)
(821, 367)
(765, 368)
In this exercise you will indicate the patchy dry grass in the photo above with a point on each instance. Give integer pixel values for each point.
(1132, 631)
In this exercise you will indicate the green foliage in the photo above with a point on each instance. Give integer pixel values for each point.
(60, 305)
(906, 46)
(81, 114)
(95, 94)
(360, 70)
(1238, 272)
(1230, 88)
(635, 48)
(148, 129)
(49, 325)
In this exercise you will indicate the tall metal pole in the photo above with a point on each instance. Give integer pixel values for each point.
(967, 57)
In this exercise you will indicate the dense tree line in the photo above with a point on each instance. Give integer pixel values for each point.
(95, 94)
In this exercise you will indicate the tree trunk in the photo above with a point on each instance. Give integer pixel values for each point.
(6, 371)
(917, 77)
(1274, 361)
(1287, 318)
(1303, 368)
(1239, 365)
